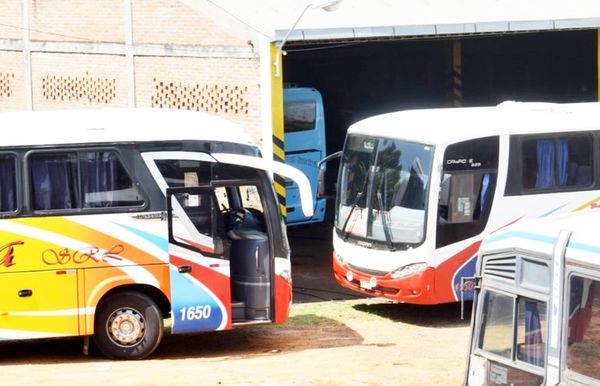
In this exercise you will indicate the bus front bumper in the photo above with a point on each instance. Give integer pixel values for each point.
(417, 288)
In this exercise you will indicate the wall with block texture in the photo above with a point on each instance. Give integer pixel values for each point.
(224, 87)
(172, 22)
(12, 96)
(11, 21)
(77, 21)
(193, 58)
(78, 81)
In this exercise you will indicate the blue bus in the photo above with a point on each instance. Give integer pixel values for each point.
(304, 125)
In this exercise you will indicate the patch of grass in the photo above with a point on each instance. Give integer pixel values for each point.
(311, 314)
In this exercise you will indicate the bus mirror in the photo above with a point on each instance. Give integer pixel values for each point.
(321, 181)
(322, 166)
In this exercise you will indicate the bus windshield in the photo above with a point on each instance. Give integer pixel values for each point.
(383, 188)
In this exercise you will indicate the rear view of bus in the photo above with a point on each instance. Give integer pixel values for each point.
(304, 124)
(536, 311)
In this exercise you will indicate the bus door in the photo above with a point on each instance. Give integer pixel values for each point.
(200, 292)
(220, 257)
(304, 125)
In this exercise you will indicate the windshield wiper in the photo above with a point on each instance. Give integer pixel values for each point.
(386, 226)
(359, 195)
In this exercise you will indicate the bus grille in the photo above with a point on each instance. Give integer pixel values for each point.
(371, 272)
(503, 267)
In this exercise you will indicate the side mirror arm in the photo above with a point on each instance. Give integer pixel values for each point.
(321, 165)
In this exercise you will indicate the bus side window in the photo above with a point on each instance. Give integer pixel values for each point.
(466, 189)
(8, 187)
(553, 163)
(105, 182)
(184, 173)
(85, 179)
(583, 341)
(54, 181)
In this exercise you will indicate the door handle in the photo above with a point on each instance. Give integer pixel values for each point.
(24, 293)
(184, 269)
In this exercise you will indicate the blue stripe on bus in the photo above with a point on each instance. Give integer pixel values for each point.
(583, 247)
(159, 241)
(542, 239)
(552, 211)
(521, 235)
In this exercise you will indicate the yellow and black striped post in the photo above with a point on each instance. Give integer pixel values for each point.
(457, 84)
(278, 131)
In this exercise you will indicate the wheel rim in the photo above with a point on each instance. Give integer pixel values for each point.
(126, 327)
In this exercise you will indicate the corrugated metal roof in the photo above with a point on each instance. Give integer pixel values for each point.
(406, 18)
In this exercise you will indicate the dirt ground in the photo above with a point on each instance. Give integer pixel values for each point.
(404, 345)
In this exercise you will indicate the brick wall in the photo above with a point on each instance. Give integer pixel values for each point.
(77, 20)
(78, 81)
(12, 96)
(10, 19)
(72, 74)
(225, 87)
(171, 22)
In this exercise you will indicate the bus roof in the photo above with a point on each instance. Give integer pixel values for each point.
(60, 127)
(539, 235)
(448, 125)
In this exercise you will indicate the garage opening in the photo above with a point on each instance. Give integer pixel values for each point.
(361, 79)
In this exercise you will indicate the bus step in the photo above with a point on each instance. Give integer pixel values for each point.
(238, 311)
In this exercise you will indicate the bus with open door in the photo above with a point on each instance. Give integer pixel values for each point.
(113, 220)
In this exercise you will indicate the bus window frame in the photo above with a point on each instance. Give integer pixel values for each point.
(202, 188)
(514, 181)
(27, 182)
(585, 273)
(448, 233)
(513, 289)
(18, 185)
(513, 361)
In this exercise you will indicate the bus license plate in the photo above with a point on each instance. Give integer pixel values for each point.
(366, 284)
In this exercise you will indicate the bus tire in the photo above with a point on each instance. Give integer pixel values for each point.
(128, 325)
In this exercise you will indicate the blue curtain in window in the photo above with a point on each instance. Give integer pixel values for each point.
(100, 179)
(545, 164)
(7, 187)
(483, 195)
(54, 182)
(534, 354)
(562, 161)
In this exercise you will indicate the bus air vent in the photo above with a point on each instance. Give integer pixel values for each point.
(502, 266)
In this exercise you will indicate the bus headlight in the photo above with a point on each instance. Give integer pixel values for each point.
(339, 258)
(408, 270)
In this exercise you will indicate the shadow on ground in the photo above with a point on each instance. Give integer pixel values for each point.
(441, 315)
(302, 332)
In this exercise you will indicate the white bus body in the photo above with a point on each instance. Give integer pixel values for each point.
(417, 190)
(113, 220)
(536, 313)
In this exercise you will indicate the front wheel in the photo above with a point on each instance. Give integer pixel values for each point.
(128, 325)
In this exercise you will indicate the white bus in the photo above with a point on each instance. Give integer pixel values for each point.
(113, 220)
(417, 190)
(536, 313)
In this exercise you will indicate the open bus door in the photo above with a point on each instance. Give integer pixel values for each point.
(200, 289)
(220, 256)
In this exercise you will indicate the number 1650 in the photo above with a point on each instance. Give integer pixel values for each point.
(195, 312)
